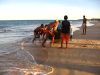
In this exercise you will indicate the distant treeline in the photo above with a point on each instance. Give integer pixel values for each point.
(94, 19)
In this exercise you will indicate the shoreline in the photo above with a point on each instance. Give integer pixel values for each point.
(81, 58)
(89, 24)
(92, 32)
(82, 54)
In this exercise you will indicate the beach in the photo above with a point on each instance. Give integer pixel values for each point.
(82, 57)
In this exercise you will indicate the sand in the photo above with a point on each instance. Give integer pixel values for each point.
(82, 57)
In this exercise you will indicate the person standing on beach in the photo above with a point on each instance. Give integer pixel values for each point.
(71, 33)
(65, 31)
(58, 33)
(84, 25)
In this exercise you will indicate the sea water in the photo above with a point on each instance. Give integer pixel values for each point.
(15, 30)
(15, 60)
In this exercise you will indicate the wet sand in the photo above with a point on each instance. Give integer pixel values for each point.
(18, 61)
(82, 57)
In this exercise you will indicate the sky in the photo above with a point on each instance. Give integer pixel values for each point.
(48, 9)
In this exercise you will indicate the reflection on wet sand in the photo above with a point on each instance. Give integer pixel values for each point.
(67, 61)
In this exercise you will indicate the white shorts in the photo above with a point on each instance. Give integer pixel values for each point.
(84, 25)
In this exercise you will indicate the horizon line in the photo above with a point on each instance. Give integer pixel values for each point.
(52, 19)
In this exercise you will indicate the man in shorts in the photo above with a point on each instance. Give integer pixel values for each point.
(65, 31)
(84, 25)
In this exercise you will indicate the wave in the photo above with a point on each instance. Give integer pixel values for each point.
(13, 33)
(76, 26)
(21, 62)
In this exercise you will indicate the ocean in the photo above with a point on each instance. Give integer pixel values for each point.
(15, 30)
(17, 61)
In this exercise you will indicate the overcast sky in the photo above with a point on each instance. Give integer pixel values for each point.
(48, 9)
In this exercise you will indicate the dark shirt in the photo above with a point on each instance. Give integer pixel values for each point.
(84, 20)
(65, 28)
